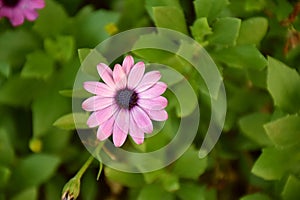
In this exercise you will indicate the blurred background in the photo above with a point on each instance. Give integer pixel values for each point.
(255, 44)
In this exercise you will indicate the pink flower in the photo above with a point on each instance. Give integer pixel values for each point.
(17, 10)
(126, 101)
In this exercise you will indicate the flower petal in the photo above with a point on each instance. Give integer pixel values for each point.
(127, 64)
(136, 74)
(135, 132)
(97, 103)
(37, 4)
(148, 80)
(155, 91)
(120, 77)
(17, 18)
(31, 15)
(122, 120)
(119, 136)
(105, 129)
(106, 74)
(157, 103)
(98, 88)
(142, 119)
(100, 116)
(157, 115)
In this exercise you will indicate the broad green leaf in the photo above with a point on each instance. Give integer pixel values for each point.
(210, 9)
(252, 126)
(28, 194)
(257, 26)
(89, 64)
(35, 170)
(284, 85)
(284, 131)
(154, 191)
(244, 56)
(256, 196)
(6, 149)
(291, 189)
(272, 164)
(189, 165)
(155, 3)
(225, 31)
(38, 65)
(170, 182)
(193, 191)
(89, 26)
(4, 69)
(52, 20)
(68, 121)
(200, 30)
(46, 111)
(255, 5)
(61, 48)
(15, 44)
(126, 179)
(83, 53)
(5, 174)
(150, 177)
(15, 91)
(170, 17)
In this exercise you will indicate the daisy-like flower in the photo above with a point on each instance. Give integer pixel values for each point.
(126, 102)
(17, 10)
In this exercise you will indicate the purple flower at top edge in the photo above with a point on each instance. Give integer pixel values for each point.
(126, 102)
(17, 10)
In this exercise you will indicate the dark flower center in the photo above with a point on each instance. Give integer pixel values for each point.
(10, 3)
(127, 98)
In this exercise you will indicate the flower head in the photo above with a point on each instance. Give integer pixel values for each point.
(17, 10)
(126, 102)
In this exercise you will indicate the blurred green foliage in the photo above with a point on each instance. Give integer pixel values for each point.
(256, 46)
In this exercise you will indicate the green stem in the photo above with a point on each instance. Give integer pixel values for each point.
(84, 167)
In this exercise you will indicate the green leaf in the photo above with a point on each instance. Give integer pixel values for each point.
(256, 196)
(283, 131)
(209, 8)
(170, 182)
(52, 20)
(193, 191)
(35, 170)
(67, 122)
(28, 194)
(126, 179)
(14, 45)
(170, 17)
(4, 69)
(6, 149)
(83, 53)
(284, 85)
(245, 56)
(252, 126)
(89, 26)
(154, 191)
(291, 189)
(200, 30)
(14, 92)
(225, 31)
(38, 65)
(257, 26)
(155, 3)
(61, 48)
(5, 174)
(189, 165)
(150, 177)
(272, 164)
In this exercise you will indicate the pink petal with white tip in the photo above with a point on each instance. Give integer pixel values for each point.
(127, 64)
(149, 79)
(157, 103)
(135, 132)
(97, 103)
(100, 116)
(136, 75)
(120, 77)
(119, 136)
(105, 130)
(142, 119)
(99, 88)
(157, 115)
(155, 91)
(106, 74)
